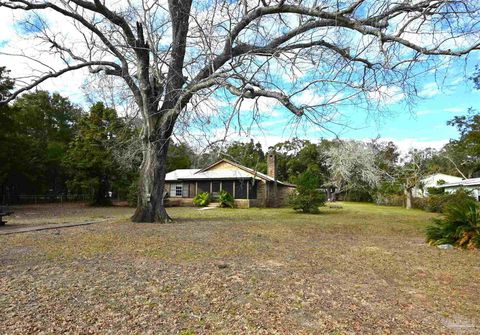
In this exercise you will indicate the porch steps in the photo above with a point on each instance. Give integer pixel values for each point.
(214, 204)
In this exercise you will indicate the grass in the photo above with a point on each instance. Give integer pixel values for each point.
(361, 269)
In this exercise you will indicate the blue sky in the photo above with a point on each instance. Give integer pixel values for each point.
(421, 125)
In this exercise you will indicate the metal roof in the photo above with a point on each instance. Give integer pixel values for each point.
(465, 182)
(243, 172)
(180, 174)
(220, 174)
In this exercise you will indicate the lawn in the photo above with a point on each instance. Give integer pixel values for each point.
(362, 269)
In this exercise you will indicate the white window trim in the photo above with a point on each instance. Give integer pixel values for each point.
(173, 190)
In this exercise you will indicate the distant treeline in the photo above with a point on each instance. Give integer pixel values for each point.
(51, 147)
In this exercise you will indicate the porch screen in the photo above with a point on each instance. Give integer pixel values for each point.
(215, 186)
(227, 185)
(203, 186)
(241, 189)
(252, 192)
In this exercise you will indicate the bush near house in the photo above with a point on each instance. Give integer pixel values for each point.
(460, 226)
(225, 199)
(435, 191)
(202, 199)
(307, 197)
(437, 203)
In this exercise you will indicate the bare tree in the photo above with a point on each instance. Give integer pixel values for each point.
(173, 55)
(412, 171)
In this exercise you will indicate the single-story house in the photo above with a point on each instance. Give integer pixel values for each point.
(433, 180)
(472, 185)
(248, 187)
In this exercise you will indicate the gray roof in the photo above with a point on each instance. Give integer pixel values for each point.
(180, 174)
(221, 174)
(465, 182)
(243, 172)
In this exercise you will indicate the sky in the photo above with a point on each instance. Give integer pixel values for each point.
(420, 124)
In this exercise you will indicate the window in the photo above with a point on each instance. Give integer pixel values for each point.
(176, 190)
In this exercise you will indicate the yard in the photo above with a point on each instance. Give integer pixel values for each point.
(358, 270)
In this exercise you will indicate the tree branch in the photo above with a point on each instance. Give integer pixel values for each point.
(57, 74)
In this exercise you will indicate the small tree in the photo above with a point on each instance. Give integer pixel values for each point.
(307, 197)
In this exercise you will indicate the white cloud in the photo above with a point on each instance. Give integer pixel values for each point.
(429, 90)
(404, 145)
(387, 95)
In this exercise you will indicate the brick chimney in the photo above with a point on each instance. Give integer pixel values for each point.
(272, 165)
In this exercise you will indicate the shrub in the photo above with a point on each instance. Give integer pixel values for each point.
(202, 199)
(460, 226)
(420, 203)
(390, 194)
(307, 198)
(390, 200)
(359, 195)
(438, 203)
(132, 196)
(435, 191)
(225, 199)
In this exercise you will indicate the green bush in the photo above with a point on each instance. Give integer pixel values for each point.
(307, 198)
(390, 200)
(202, 199)
(225, 199)
(420, 203)
(460, 225)
(435, 191)
(438, 203)
(358, 195)
(390, 194)
(132, 195)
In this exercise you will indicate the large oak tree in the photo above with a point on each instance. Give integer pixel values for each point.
(173, 54)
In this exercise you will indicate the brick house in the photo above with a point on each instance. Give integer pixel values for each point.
(248, 187)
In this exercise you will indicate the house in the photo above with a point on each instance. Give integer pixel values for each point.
(433, 180)
(472, 185)
(248, 187)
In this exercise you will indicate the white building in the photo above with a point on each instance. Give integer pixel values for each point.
(472, 185)
(434, 180)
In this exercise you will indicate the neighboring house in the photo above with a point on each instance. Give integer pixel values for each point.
(248, 187)
(472, 185)
(433, 180)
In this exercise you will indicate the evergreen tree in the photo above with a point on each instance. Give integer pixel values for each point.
(249, 154)
(89, 159)
(180, 156)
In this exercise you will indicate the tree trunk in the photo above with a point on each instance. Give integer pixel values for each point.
(151, 207)
(408, 198)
